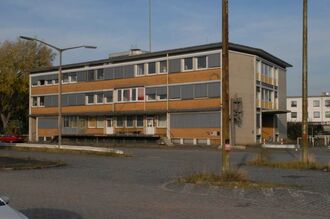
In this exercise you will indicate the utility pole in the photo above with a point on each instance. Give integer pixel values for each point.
(149, 25)
(305, 88)
(225, 88)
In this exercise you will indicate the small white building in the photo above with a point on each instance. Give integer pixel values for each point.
(318, 109)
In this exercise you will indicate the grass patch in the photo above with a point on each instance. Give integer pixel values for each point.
(229, 179)
(66, 151)
(263, 159)
(17, 163)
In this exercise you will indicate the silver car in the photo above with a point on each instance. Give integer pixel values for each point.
(6, 212)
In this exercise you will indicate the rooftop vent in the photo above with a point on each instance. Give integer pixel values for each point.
(131, 52)
(325, 94)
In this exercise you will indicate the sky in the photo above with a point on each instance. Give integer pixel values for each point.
(119, 25)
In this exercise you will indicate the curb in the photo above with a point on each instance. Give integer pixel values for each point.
(67, 147)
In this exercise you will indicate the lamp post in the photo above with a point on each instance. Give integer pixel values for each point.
(60, 51)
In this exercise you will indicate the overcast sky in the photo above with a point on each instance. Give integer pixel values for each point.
(118, 25)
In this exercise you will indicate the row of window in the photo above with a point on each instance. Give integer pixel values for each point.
(266, 69)
(316, 103)
(316, 114)
(118, 122)
(159, 93)
(266, 94)
(129, 71)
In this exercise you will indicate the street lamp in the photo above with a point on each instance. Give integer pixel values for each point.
(60, 51)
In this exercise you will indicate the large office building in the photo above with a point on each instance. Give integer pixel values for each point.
(318, 109)
(173, 95)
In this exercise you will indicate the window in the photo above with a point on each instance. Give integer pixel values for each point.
(66, 122)
(41, 101)
(34, 101)
(139, 121)
(90, 98)
(130, 94)
(82, 122)
(316, 103)
(99, 98)
(152, 68)
(162, 122)
(100, 122)
(188, 63)
(90, 75)
(293, 103)
(73, 122)
(151, 96)
(119, 93)
(162, 66)
(73, 77)
(99, 74)
(140, 93)
(65, 78)
(201, 62)
(316, 114)
(108, 96)
(120, 121)
(49, 82)
(327, 103)
(134, 94)
(327, 114)
(42, 82)
(92, 122)
(129, 121)
(126, 96)
(140, 69)
(293, 115)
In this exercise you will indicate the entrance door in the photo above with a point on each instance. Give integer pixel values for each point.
(109, 126)
(150, 129)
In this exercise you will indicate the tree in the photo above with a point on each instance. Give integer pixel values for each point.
(17, 59)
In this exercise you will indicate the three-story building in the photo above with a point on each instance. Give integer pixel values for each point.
(173, 94)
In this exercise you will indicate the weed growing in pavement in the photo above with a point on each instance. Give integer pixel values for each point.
(231, 179)
(265, 161)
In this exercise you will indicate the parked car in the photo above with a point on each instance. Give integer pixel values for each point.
(6, 212)
(11, 138)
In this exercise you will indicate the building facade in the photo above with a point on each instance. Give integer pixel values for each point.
(318, 109)
(174, 95)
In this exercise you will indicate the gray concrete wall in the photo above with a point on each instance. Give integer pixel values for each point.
(282, 118)
(242, 84)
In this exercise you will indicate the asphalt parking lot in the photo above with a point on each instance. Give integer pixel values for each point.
(144, 186)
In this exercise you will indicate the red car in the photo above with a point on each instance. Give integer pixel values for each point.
(11, 138)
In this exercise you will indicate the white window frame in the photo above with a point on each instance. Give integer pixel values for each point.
(317, 112)
(137, 126)
(159, 69)
(183, 60)
(124, 122)
(137, 70)
(86, 100)
(96, 99)
(148, 72)
(38, 101)
(100, 122)
(89, 121)
(158, 121)
(206, 62)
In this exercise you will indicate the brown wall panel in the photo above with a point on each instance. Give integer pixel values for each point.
(194, 133)
(47, 132)
(88, 108)
(161, 131)
(129, 106)
(44, 110)
(159, 105)
(194, 76)
(191, 104)
(44, 90)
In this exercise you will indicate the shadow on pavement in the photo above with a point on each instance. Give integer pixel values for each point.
(49, 213)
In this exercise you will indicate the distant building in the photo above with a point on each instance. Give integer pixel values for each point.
(318, 109)
(173, 94)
